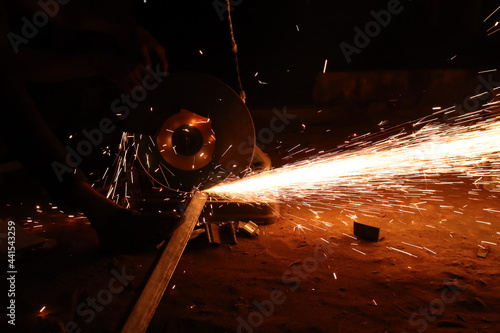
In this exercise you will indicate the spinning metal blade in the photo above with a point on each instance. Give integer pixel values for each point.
(192, 131)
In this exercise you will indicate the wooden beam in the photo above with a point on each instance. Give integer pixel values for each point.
(146, 305)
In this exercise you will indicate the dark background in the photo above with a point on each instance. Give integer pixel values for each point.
(426, 34)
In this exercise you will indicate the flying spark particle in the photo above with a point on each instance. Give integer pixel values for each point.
(398, 250)
(488, 70)
(430, 250)
(486, 19)
(349, 236)
(418, 247)
(230, 146)
(493, 32)
(358, 251)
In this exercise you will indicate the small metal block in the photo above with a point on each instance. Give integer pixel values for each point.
(223, 233)
(482, 252)
(249, 228)
(367, 232)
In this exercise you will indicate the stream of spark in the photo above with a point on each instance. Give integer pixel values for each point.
(384, 174)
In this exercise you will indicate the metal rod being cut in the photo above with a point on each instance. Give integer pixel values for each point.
(145, 307)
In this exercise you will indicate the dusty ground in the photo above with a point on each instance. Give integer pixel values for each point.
(285, 280)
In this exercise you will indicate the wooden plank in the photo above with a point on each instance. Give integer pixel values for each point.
(146, 305)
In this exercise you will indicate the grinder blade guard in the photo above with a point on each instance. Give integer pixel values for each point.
(192, 131)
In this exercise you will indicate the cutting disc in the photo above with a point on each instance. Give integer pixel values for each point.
(192, 131)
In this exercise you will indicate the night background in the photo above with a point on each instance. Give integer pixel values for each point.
(426, 34)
